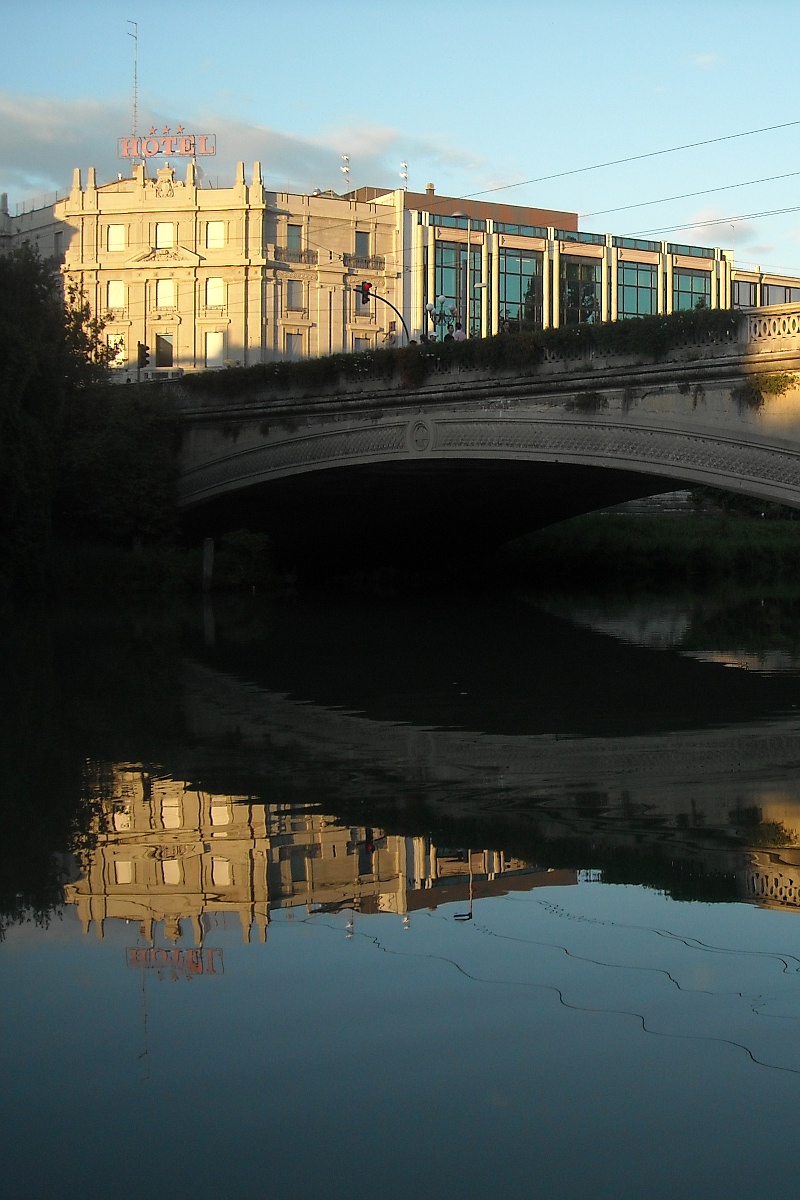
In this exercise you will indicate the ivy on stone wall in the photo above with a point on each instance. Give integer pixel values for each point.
(646, 339)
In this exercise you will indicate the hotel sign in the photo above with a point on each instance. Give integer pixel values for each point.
(176, 964)
(178, 144)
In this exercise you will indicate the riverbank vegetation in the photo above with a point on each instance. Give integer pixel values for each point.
(651, 552)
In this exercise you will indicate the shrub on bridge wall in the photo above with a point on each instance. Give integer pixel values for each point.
(648, 338)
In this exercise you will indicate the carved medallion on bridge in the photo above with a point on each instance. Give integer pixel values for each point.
(420, 436)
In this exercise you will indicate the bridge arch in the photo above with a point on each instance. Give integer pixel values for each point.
(476, 459)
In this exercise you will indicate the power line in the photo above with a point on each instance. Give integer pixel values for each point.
(617, 162)
(688, 195)
(774, 212)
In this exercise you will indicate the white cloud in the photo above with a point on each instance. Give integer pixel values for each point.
(42, 140)
(710, 227)
(705, 62)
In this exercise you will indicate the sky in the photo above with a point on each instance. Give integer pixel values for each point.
(527, 102)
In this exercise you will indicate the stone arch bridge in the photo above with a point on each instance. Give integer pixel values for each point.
(469, 459)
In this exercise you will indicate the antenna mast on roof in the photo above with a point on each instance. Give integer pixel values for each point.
(404, 175)
(135, 113)
(345, 169)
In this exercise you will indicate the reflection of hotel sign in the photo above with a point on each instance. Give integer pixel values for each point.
(178, 144)
(176, 964)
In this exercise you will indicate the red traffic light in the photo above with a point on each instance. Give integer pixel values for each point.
(364, 290)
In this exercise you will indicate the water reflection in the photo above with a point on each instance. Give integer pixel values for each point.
(180, 862)
(423, 886)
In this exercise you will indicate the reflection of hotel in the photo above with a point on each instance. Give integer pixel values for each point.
(164, 852)
(212, 276)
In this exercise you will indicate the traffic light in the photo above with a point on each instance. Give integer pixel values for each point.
(142, 355)
(364, 290)
(369, 839)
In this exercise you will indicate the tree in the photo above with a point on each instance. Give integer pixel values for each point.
(50, 346)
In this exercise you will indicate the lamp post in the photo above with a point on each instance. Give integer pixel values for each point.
(440, 316)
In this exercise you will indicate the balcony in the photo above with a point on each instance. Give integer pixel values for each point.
(307, 257)
(364, 262)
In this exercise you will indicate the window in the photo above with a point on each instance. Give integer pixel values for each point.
(215, 293)
(580, 290)
(215, 349)
(294, 345)
(221, 874)
(690, 289)
(165, 293)
(635, 244)
(521, 285)
(452, 282)
(744, 293)
(165, 235)
(294, 295)
(294, 237)
(690, 251)
(518, 230)
(637, 289)
(115, 238)
(220, 814)
(362, 243)
(215, 235)
(171, 871)
(360, 344)
(115, 294)
(571, 235)
(777, 293)
(122, 820)
(58, 245)
(171, 815)
(123, 871)
(164, 349)
(116, 346)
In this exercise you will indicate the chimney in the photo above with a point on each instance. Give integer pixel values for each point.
(429, 189)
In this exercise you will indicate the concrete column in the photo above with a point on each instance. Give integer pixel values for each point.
(662, 267)
(546, 276)
(556, 313)
(605, 304)
(495, 253)
(431, 265)
(614, 283)
(669, 283)
(715, 284)
(417, 281)
(484, 291)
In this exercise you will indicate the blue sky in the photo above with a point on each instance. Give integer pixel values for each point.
(473, 95)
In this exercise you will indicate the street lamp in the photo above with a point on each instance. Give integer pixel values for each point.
(440, 316)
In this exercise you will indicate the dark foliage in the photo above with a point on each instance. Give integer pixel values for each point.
(647, 338)
(49, 350)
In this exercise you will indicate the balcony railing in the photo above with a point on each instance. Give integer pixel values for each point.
(285, 254)
(364, 262)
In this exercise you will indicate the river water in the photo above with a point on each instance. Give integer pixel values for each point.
(461, 894)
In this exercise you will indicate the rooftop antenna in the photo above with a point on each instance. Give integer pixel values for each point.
(135, 114)
(404, 175)
(345, 169)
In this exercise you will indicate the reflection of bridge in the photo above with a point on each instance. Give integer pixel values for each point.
(720, 797)
(166, 853)
(487, 455)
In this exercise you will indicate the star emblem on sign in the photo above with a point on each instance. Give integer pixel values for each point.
(152, 130)
(166, 129)
(179, 129)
